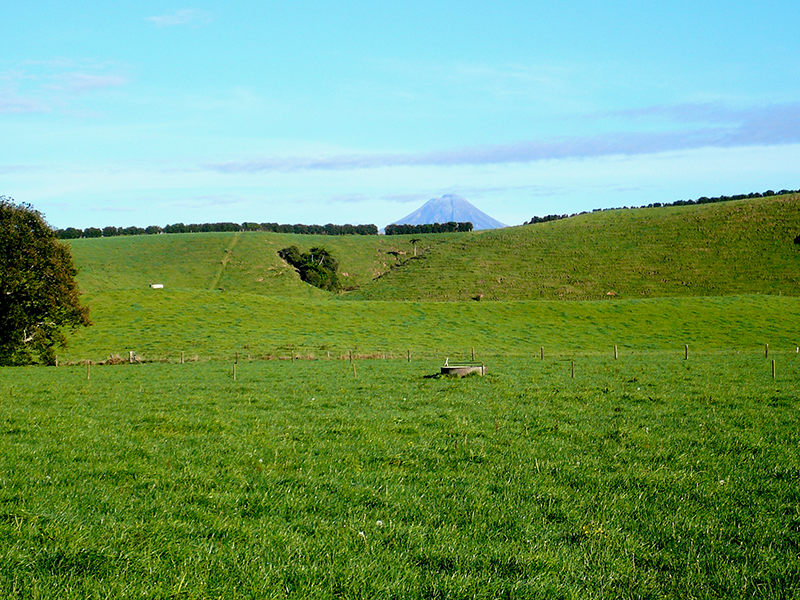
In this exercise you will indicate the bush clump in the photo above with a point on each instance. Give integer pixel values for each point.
(316, 267)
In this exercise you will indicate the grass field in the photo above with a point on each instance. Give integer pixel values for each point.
(160, 324)
(742, 247)
(575, 475)
(648, 476)
(733, 248)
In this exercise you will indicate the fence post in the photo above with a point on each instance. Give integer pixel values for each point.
(616, 356)
(686, 352)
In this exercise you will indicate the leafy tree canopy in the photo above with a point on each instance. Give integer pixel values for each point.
(38, 293)
(316, 267)
(449, 227)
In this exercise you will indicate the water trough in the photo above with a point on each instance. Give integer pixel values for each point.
(463, 368)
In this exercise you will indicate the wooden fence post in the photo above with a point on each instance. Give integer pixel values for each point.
(542, 352)
(572, 368)
(773, 368)
(181, 357)
(686, 352)
(766, 350)
(234, 371)
(616, 356)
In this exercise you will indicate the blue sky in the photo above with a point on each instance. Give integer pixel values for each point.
(151, 113)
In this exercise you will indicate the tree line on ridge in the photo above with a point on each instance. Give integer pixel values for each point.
(701, 200)
(329, 229)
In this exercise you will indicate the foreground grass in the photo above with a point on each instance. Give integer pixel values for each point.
(648, 476)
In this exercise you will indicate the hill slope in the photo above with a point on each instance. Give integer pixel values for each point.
(229, 292)
(233, 262)
(739, 247)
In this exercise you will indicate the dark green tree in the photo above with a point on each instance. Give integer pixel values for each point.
(291, 255)
(316, 267)
(39, 297)
(70, 233)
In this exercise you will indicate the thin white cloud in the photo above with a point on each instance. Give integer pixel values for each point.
(183, 16)
(207, 200)
(11, 103)
(10, 169)
(84, 82)
(472, 191)
(350, 197)
(768, 126)
(700, 112)
(406, 198)
(44, 87)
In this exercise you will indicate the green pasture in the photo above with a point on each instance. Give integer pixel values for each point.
(563, 473)
(214, 325)
(743, 247)
(246, 262)
(650, 476)
(731, 248)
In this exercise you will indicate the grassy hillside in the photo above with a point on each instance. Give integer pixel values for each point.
(234, 262)
(709, 276)
(741, 247)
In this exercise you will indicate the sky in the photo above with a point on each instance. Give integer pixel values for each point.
(151, 113)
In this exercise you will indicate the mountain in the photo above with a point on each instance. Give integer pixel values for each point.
(450, 207)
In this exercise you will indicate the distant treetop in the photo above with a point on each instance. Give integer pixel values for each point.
(449, 227)
(329, 229)
(701, 200)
